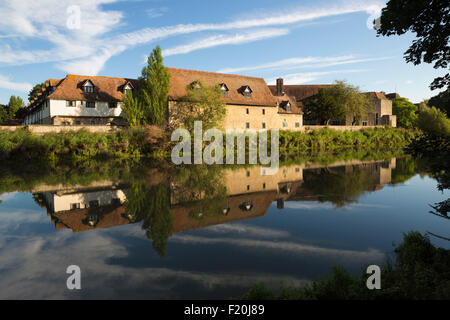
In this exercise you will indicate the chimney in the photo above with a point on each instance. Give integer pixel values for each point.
(280, 87)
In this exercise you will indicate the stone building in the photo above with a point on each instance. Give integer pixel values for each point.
(94, 100)
(380, 114)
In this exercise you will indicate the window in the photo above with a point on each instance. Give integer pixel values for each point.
(364, 123)
(224, 89)
(247, 125)
(263, 111)
(112, 105)
(74, 206)
(65, 123)
(247, 91)
(263, 125)
(90, 104)
(246, 111)
(248, 173)
(248, 187)
(93, 122)
(264, 185)
(288, 107)
(285, 124)
(71, 103)
(77, 122)
(297, 124)
(88, 89)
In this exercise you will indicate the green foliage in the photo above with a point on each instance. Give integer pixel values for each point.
(441, 101)
(429, 21)
(35, 90)
(154, 88)
(323, 108)
(420, 271)
(133, 111)
(338, 102)
(3, 114)
(73, 145)
(434, 122)
(406, 112)
(15, 103)
(152, 207)
(329, 139)
(201, 103)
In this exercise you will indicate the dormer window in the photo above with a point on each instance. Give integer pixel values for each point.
(288, 107)
(246, 91)
(128, 86)
(88, 86)
(224, 89)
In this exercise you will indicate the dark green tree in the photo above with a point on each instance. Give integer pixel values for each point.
(323, 108)
(35, 90)
(406, 112)
(441, 101)
(154, 88)
(429, 20)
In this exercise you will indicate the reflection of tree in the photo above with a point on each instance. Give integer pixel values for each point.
(152, 207)
(201, 189)
(405, 169)
(338, 185)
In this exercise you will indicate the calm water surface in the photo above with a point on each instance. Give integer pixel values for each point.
(205, 233)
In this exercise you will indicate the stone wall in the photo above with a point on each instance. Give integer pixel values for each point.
(43, 129)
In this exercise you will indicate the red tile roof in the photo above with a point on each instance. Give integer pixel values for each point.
(110, 88)
(261, 95)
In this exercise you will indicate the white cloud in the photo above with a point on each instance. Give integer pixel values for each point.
(6, 83)
(95, 42)
(299, 78)
(156, 12)
(304, 62)
(220, 40)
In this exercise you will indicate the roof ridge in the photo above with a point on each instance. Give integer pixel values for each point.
(218, 73)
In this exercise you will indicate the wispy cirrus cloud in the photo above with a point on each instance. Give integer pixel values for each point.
(304, 77)
(304, 62)
(99, 38)
(6, 83)
(220, 40)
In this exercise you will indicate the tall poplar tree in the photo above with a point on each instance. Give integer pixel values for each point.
(154, 88)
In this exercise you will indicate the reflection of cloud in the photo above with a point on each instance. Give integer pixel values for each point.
(248, 230)
(8, 196)
(33, 266)
(312, 205)
(282, 245)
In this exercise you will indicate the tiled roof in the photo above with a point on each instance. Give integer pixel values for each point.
(110, 89)
(300, 92)
(106, 89)
(282, 102)
(261, 95)
(376, 95)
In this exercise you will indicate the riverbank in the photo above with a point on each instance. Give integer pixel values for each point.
(81, 145)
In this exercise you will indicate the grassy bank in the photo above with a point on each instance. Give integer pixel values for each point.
(328, 139)
(73, 145)
(133, 143)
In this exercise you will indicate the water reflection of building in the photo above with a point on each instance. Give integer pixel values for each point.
(249, 193)
(81, 208)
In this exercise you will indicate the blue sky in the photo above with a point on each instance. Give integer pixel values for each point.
(305, 42)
